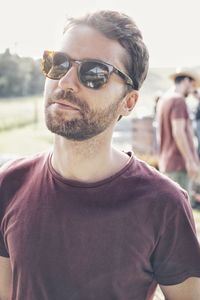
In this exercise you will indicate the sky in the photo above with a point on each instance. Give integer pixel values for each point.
(170, 28)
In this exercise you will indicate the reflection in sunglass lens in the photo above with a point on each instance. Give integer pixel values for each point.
(93, 74)
(56, 66)
(47, 63)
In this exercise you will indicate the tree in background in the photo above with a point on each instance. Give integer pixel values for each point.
(19, 76)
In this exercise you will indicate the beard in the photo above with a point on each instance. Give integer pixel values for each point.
(88, 124)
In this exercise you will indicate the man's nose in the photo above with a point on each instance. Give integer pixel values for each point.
(70, 80)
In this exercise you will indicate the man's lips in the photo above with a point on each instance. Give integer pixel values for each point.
(64, 104)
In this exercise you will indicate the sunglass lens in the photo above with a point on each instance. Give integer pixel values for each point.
(55, 65)
(93, 74)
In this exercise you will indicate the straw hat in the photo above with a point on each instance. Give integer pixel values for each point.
(181, 71)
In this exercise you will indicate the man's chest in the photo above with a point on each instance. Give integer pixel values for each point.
(80, 244)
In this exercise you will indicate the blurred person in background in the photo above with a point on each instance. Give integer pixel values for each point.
(86, 221)
(195, 193)
(178, 157)
(196, 94)
(157, 97)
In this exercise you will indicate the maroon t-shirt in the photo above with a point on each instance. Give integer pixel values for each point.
(113, 239)
(172, 107)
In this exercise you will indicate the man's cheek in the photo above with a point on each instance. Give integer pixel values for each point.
(50, 86)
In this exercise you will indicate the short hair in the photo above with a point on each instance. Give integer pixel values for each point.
(120, 27)
(178, 79)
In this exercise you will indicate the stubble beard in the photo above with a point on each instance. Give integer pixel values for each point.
(86, 125)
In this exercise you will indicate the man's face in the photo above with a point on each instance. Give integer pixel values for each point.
(189, 86)
(73, 110)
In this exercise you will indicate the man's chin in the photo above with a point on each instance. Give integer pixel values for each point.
(73, 133)
(69, 136)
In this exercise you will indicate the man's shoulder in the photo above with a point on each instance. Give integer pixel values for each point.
(172, 102)
(14, 168)
(162, 189)
(172, 97)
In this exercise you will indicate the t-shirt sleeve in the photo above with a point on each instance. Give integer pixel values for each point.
(179, 109)
(177, 254)
(3, 249)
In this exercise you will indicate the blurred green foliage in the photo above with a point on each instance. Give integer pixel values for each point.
(19, 76)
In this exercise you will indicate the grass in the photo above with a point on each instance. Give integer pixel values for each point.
(16, 112)
(27, 139)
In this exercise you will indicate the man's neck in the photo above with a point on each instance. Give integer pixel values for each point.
(87, 161)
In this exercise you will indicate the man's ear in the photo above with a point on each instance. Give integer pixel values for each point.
(129, 102)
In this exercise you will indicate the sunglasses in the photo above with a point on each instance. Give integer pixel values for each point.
(92, 73)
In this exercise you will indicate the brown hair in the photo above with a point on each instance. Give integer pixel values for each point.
(120, 27)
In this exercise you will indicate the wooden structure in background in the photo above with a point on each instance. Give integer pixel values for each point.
(143, 136)
(144, 139)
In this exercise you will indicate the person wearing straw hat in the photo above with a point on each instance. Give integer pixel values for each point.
(178, 157)
(195, 195)
(196, 94)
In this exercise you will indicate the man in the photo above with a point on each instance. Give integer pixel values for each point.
(88, 221)
(178, 155)
(196, 94)
(195, 196)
